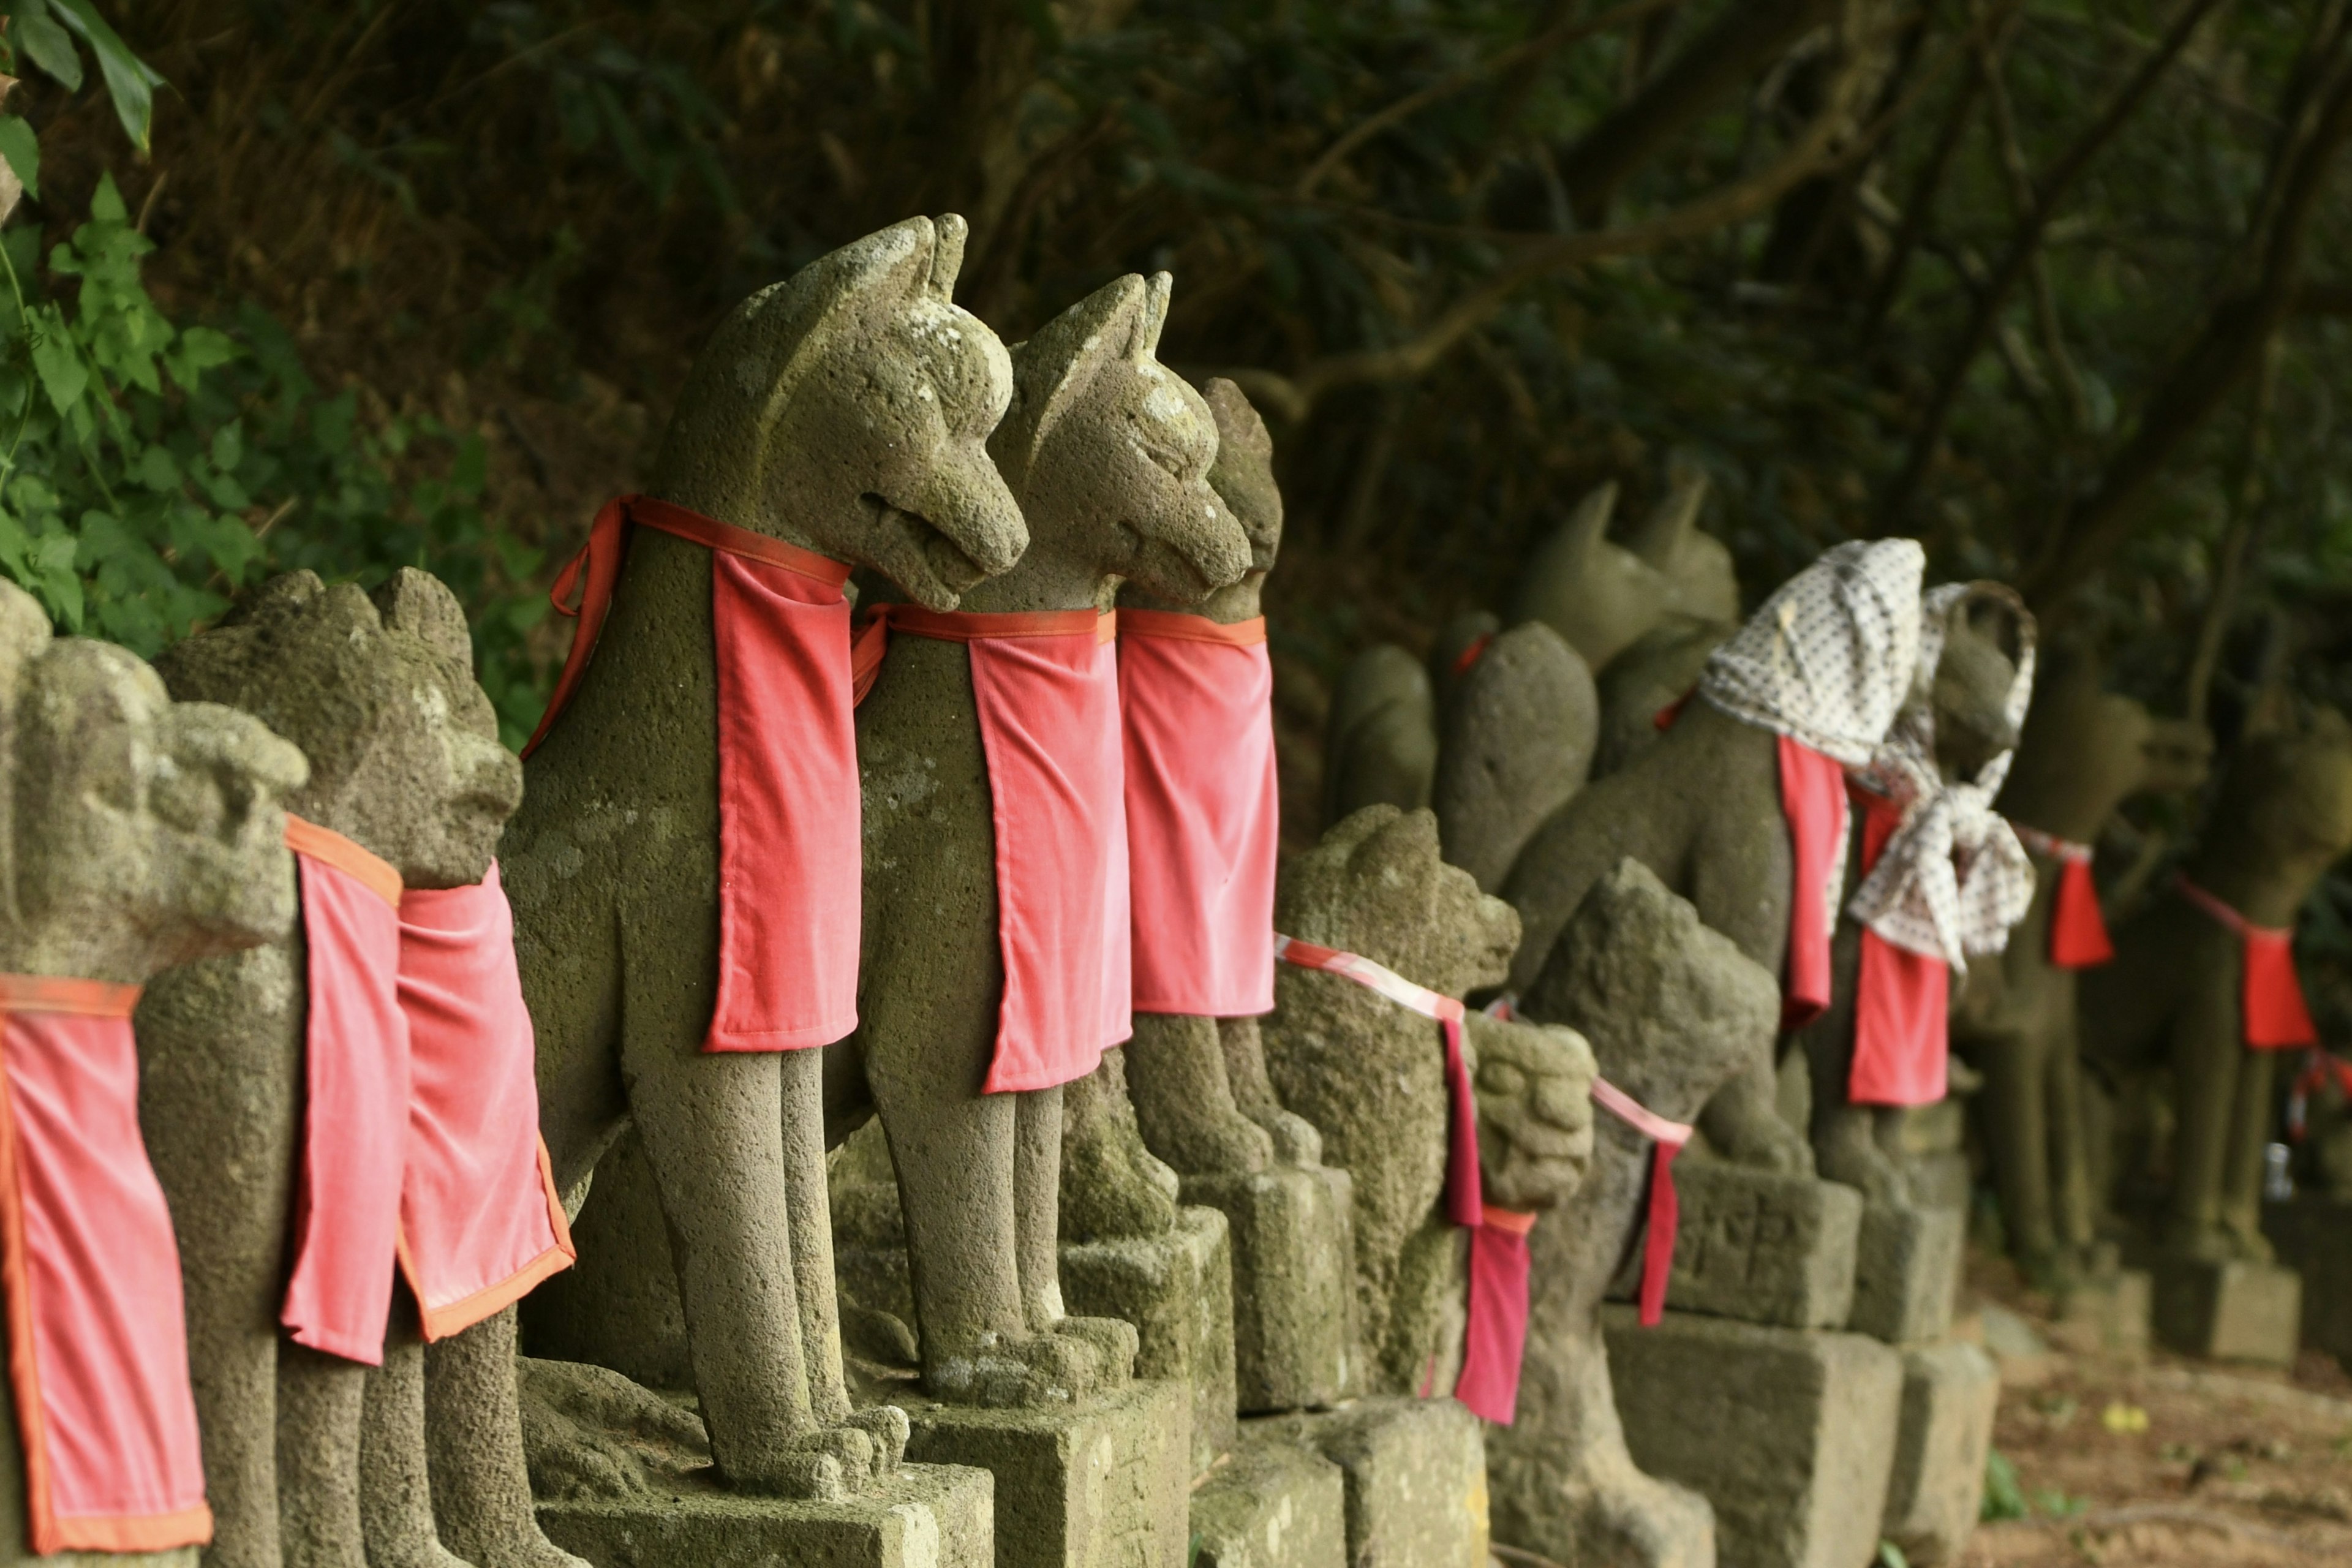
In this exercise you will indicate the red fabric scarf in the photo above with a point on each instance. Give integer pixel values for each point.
(1666, 1139)
(1812, 799)
(2078, 930)
(479, 1219)
(1203, 814)
(1901, 1002)
(790, 867)
(2270, 1000)
(1047, 687)
(355, 1112)
(1493, 1344)
(98, 1350)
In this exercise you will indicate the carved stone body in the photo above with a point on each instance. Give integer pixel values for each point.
(1370, 1076)
(1108, 454)
(2084, 751)
(320, 1458)
(2281, 816)
(846, 411)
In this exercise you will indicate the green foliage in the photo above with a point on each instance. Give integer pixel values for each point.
(43, 33)
(2003, 1497)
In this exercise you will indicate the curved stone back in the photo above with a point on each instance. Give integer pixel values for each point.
(1379, 743)
(1518, 742)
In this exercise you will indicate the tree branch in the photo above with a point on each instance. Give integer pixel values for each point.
(2049, 192)
(2077, 413)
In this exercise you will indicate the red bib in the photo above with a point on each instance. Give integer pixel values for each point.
(1901, 1001)
(1494, 1342)
(1812, 799)
(98, 1348)
(1045, 684)
(355, 1112)
(2078, 930)
(2270, 1000)
(479, 1219)
(1203, 814)
(790, 867)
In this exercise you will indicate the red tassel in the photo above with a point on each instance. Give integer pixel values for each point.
(2078, 930)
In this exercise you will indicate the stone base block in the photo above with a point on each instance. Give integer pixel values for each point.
(2107, 1315)
(1415, 1472)
(1790, 1435)
(1100, 1485)
(924, 1516)
(1949, 1393)
(1907, 1272)
(1272, 1504)
(1760, 1247)
(1294, 1283)
(1940, 1180)
(2314, 1237)
(2230, 1311)
(1178, 1292)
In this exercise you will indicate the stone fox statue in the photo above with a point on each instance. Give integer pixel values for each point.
(312, 1456)
(135, 833)
(2084, 751)
(1108, 454)
(845, 412)
(2177, 989)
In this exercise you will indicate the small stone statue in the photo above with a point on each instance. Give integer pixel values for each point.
(136, 833)
(1603, 597)
(1109, 453)
(2180, 989)
(1370, 1076)
(1518, 734)
(314, 1455)
(2084, 751)
(1379, 743)
(1671, 1009)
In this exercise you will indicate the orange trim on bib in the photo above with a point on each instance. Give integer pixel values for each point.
(377, 875)
(1188, 627)
(61, 993)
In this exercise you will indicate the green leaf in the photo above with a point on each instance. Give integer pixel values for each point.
(49, 47)
(156, 469)
(106, 205)
(64, 376)
(130, 80)
(23, 150)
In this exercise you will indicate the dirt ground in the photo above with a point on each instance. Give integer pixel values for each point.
(2157, 1459)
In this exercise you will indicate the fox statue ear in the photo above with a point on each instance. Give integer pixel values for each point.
(1588, 525)
(1661, 534)
(1056, 365)
(949, 231)
(1145, 341)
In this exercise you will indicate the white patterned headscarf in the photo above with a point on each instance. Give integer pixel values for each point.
(1827, 661)
(1953, 879)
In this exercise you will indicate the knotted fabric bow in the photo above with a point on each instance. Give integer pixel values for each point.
(1953, 879)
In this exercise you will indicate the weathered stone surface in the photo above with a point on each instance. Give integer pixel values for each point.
(1276, 1503)
(1294, 1283)
(2237, 1311)
(1177, 1289)
(1790, 1433)
(1380, 744)
(1759, 1247)
(1907, 1272)
(1370, 1076)
(1950, 1394)
(1416, 1478)
(2313, 1236)
(1656, 670)
(1597, 594)
(1671, 1010)
(1101, 1484)
(922, 1516)
(1516, 740)
(617, 1305)
(2109, 1313)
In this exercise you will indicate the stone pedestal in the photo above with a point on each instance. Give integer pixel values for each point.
(2230, 1311)
(1907, 1272)
(924, 1516)
(1949, 1393)
(1759, 1247)
(1273, 1503)
(1178, 1292)
(1415, 1472)
(1099, 1485)
(1293, 1283)
(2108, 1315)
(1790, 1435)
(2313, 1236)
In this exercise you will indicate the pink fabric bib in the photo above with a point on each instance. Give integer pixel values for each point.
(481, 1222)
(1203, 817)
(98, 1349)
(1495, 1343)
(1901, 1002)
(355, 1113)
(1812, 799)
(790, 867)
(1047, 686)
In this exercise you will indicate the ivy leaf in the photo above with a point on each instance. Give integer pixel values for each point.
(23, 150)
(46, 45)
(130, 80)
